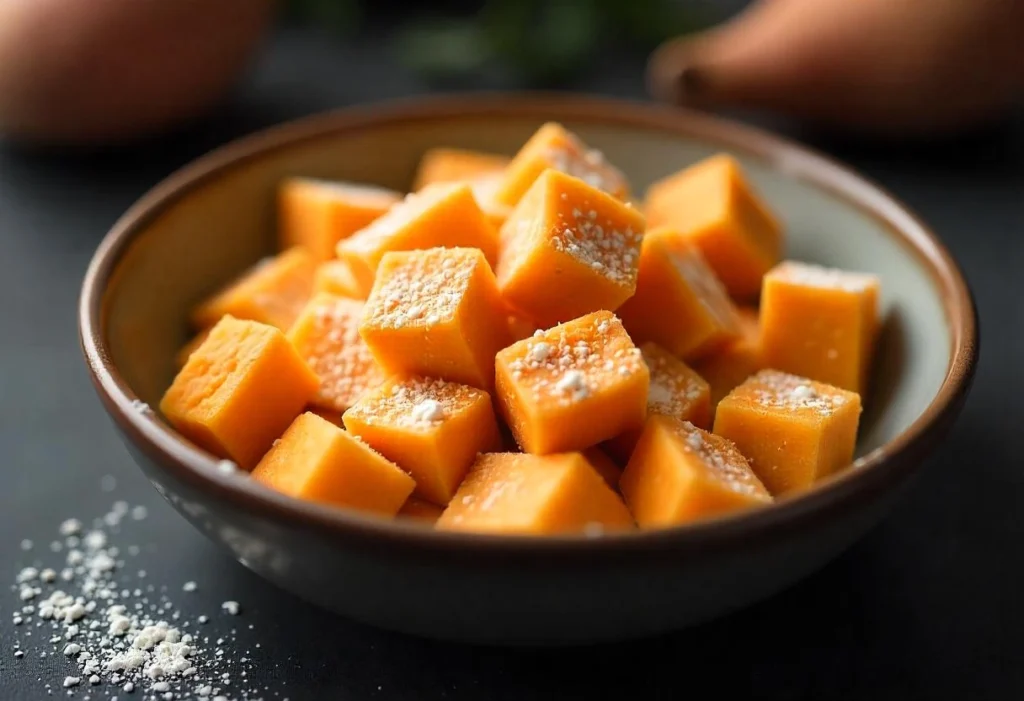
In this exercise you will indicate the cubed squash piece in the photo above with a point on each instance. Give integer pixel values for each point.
(604, 465)
(553, 146)
(182, 356)
(433, 429)
(728, 367)
(679, 303)
(336, 277)
(517, 494)
(239, 390)
(485, 188)
(327, 414)
(436, 313)
(572, 386)
(675, 390)
(420, 510)
(680, 473)
(820, 323)
(316, 214)
(716, 209)
(442, 215)
(568, 249)
(446, 165)
(317, 461)
(272, 292)
(794, 431)
(326, 335)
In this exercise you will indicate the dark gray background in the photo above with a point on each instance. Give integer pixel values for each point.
(928, 605)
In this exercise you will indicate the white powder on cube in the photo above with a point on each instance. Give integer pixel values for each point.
(428, 410)
(116, 634)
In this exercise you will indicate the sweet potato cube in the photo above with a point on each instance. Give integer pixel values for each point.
(675, 390)
(568, 249)
(316, 214)
(433, 429)
(572, 386)
(794, 431)
(336, 277)
(239, 390)
(553, 146)
(317, 461)
(820, 323)
(182, 356)
(728, 367)
(446, 165)
(271, 292)
(326, 335)
(716, 209)
(436, 313)
(680, 473)
(485, 189)
(327, 414)
(604, 466)
(420, 510)
(519, 494)
(442, 215)
(679, 303)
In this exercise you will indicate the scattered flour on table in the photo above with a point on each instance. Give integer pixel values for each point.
(114, 635)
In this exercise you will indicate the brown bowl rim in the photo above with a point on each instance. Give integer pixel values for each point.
(880, 469)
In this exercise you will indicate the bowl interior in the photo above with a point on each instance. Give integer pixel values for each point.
(218, 224)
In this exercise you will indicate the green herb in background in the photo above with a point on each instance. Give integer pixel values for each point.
(540, 42)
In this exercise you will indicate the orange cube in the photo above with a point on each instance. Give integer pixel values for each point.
(182, 356)
(336, 277)
(436, 313)
(820, 323)
(675, 390)
(680, 473)
(738, 360)
(568, 249)
(316, 214)
(420, 510)
(715, 208)
(519, 327)
(553, 146)
(485, 189)
(679, 303)
(446, 165)
(518, 494)
(604, 466)
(317, 461)
(433, 429)
(326, 335)
(442, 215)
(272, 292)
(573, 386)
(327, 414)
(794, 431)
(239, 390)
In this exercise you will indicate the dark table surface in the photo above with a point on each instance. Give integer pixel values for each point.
(928, 605)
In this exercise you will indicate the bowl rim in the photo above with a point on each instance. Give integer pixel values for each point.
(886, 466)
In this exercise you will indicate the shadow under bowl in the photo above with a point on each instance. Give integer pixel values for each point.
(214, 218)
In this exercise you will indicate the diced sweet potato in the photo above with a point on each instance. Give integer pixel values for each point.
(239, 390)
(336, 277)
(820, 323)
(716, 209)
(792, 430)
(327, 414)
(572, 386)
(680, 473)
(679, 303)
(442, 215)
(433, 429)
(553, 146)
(521, 494)
(485, 189)
(568, 249)
(728, 367)
(181, 357)
(446, 165)
(316, 214)
(436, 313)
(675, 390)
(317, 461)
(326, 335)
(272, 292)
(420, 510)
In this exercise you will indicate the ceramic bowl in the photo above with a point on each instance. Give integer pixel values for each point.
(215, 217)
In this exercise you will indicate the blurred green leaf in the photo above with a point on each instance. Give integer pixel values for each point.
(443, 49)
(341, 16)
(646, 23)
